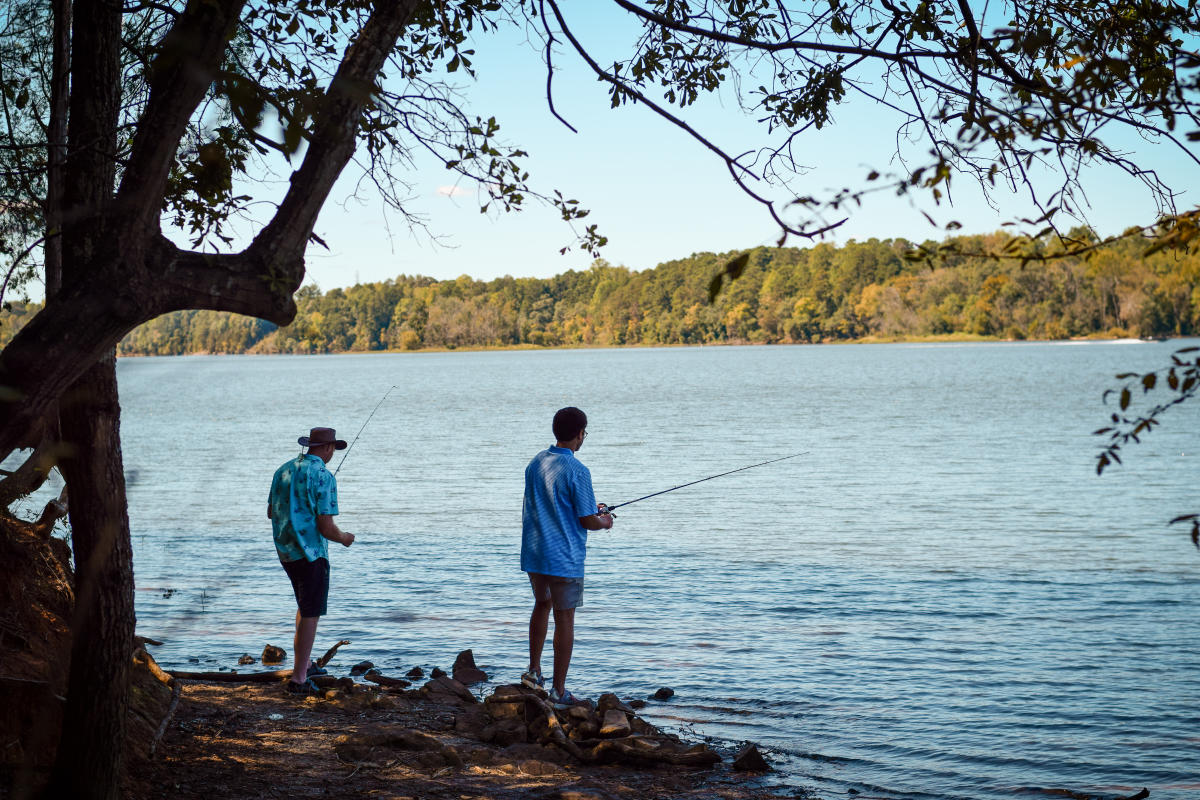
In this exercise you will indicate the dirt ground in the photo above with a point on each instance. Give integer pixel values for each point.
(256, 741)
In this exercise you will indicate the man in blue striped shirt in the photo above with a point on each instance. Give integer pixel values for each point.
(559, 509)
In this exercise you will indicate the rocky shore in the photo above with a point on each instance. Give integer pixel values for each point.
(435, 738)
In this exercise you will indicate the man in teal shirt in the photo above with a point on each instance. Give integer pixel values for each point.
(301, 507)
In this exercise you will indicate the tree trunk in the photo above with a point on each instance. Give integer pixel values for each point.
(88, 764)
(88, 761)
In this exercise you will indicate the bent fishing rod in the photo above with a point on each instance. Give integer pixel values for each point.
(363, 428)
(609, 509)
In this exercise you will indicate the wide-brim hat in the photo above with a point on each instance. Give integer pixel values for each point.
(322, 436)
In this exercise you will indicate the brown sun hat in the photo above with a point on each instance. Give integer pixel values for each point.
(322, 436)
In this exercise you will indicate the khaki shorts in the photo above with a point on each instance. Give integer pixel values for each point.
(563, 593)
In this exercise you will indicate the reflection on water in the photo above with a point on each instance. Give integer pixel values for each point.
(940, 600)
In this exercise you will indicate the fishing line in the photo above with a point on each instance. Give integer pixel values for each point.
(363, 428)
(610, 509)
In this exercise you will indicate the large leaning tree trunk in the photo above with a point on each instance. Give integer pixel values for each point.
(120, 271)
(88, 761)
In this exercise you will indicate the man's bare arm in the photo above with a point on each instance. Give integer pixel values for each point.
(329, 529)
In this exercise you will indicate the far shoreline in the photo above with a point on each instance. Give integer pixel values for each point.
(949, 338)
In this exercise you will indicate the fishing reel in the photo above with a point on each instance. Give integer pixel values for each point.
(602, 508)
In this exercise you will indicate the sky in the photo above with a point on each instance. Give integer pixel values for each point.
(654, 192)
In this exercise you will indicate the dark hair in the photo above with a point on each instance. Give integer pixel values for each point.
(568, 422)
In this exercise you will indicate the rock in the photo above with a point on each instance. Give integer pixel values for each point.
(615, 724)
(643, 728)
(471, 722)
(438, 672)
(246, 658)
(637, 704)
(748, 759)
(665, 693)
(609, 700)
(505, 707)
(446, 689)
(372, 748)
(579, 712)
(451, 756)
(346, 684)
(361, 667)
(373, 676)
(415, 672)
(273, 655)
(479, 755)
(505, 732)
(464, 660)
(509, 690)
(537, 768)
(587, 729)
(465, 671)
(470, 676)
(637, 751)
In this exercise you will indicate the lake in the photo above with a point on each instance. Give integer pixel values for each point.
(940, 600)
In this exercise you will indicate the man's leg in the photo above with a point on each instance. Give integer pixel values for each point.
(564, 643)
(539, 620)
(539, 623)
(310, 582)
(302, 645)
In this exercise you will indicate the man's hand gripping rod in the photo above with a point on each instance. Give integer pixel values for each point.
(606, 509)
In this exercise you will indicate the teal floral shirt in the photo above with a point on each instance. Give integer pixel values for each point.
(300, 491)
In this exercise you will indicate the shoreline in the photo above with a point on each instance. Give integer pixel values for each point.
(951, 338)
(236, 740)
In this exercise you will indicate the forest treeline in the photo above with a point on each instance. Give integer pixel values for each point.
(859, 290)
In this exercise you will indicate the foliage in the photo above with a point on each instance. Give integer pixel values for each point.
(24, 53)
(1001, 94)
(1182, 381)
(861, 290)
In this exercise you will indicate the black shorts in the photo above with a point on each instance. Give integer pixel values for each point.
(310, 583)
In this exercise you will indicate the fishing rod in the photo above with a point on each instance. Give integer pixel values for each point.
(609, 509)
(363, 428)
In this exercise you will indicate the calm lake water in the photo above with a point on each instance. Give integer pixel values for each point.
(941, 600)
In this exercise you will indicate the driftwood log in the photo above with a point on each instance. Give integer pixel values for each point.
(233, 677)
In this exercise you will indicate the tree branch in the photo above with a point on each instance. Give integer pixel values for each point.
(282, 241)
(182, 71)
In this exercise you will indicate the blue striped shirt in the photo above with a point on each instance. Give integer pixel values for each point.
(558, 491)
(301, 489)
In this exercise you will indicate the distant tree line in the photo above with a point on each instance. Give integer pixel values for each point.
(860, 290)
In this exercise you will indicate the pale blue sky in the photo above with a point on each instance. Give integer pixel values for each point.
(653, 191)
